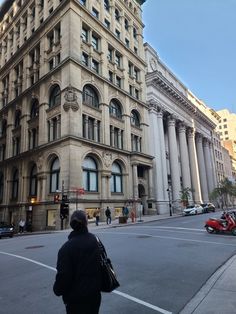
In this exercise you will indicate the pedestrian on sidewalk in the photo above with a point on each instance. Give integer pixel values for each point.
(78, 278)
(21, 226)
(108, 215)
(97, 216)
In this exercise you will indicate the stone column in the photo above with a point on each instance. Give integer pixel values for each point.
(215, 181)
(208, 163)
(95, 130)
(45, 10)
(119, 139)
(29, 17)
(135, 181)
(185, 167)
(202, 168)
(150, 183)
(86, 126)
(22, 26)
(112, 136)
(194, 166)
(157, 149)
(174, 162)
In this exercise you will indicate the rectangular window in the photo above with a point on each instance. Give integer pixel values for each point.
(136, 91)
(95, 13)
(84, 34)
(117, 33)
(131, 90)
(107, 23)
(85, 59)
(118, 60)
(110, 75)
(83, 2)
(118, 81)
(127, 42)
(95, 66)
(95, 42)
(110, 54)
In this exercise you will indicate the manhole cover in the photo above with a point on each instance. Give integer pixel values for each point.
(34, 247)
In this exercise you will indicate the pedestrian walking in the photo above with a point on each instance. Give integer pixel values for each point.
(78, 278)
(108, 215)
(97, 216)
(21, 226)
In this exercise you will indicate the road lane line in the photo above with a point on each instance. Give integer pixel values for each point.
(163, 237)
(124, 295)
(177, 228)
(29, 260)
(156, 308)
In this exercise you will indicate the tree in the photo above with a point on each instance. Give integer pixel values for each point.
(185, 194)
(224, 192)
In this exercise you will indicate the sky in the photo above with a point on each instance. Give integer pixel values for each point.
(196, 39)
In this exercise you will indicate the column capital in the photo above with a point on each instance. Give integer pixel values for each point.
(191, 132)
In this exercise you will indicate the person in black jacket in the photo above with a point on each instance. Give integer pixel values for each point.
(78, 278)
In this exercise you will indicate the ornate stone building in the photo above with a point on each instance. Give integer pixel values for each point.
(181, 138)
(73, 116)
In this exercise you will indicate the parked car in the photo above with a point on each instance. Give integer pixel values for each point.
(208, 207)
(6, 230)
(193, 210)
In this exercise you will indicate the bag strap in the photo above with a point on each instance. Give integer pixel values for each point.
(102, 249)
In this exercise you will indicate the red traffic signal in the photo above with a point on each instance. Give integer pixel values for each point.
(56, 198)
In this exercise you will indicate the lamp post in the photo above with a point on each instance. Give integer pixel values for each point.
(168, 190)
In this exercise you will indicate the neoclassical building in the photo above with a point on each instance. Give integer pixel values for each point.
(73, 116)
(181, 138)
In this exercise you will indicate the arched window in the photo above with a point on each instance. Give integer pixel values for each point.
(55, 96)
(33, 181)
(15, 184)
(1, 186)
(90, 96)
(90, 175)
(135, 121)
(116, 178)
(115, 109)
(17, 118)
(54, 175)
(34, 111)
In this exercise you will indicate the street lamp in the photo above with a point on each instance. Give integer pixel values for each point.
(168, 190)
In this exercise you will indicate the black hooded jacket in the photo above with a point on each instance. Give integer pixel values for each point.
(78, 267)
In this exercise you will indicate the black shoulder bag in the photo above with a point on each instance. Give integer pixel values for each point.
(109, 280)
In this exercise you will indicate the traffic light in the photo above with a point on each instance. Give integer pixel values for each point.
(56, 198)
(64, 208)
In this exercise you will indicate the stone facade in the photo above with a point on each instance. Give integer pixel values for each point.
(181, 138)
(73, 116)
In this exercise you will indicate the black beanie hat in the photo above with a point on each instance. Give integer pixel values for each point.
(78, 219)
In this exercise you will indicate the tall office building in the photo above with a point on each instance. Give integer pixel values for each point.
(73, 117)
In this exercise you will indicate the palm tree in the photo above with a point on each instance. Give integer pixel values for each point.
(185, 194)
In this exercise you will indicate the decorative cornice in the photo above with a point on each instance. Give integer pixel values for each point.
(167, 88)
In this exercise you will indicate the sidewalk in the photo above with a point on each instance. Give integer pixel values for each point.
(218, 294)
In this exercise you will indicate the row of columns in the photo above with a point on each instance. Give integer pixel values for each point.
(196, 164)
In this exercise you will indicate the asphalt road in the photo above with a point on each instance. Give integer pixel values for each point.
(160, 265)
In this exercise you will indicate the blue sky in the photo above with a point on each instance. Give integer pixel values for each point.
(196, 39)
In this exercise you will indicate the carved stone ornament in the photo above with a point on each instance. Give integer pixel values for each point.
(153, 64)
(70, 99)
(107, 157)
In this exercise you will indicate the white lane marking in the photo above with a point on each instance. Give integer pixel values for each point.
(29, 260)
(156, 308)
(163, 237)
(124, 295)
(175, 228)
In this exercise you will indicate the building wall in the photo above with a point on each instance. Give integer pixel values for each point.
(58, 50)
(181, 138)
